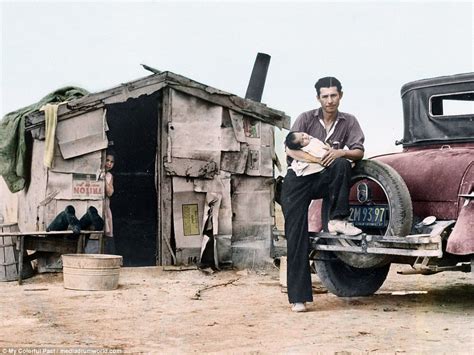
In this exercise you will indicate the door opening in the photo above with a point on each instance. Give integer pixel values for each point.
(133, 131)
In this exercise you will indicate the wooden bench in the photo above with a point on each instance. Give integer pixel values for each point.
(53, 241)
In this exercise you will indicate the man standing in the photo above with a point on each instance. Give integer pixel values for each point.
(339, 130)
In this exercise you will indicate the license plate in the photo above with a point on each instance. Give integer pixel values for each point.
(369, 216)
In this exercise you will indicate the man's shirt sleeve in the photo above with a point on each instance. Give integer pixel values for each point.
(355, 139)
(300, 124)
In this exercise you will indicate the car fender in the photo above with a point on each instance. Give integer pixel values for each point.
(461, 239)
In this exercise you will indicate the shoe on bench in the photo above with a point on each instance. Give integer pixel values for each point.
(298, 307)
(343, 227)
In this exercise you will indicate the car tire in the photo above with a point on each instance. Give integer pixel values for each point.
(400, 208)
(344, 280)
(351, 274)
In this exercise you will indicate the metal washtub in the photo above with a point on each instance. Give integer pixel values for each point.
(91, 272)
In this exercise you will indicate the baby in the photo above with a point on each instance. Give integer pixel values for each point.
(310, 145)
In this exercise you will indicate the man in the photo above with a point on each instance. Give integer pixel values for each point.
(339, 130)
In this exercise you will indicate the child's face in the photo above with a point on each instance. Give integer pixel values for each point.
(109, 162)
(302, 139)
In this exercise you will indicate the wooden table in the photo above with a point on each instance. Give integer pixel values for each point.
(42, 241)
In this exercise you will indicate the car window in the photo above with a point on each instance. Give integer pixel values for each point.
(454, 104)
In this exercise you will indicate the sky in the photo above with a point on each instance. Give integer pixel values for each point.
(372, 47)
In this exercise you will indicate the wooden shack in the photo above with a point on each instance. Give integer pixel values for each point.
(184, 152)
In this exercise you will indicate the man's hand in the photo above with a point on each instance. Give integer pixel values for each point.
(331, 155)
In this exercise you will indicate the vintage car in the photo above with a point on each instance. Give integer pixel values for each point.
(415, 207)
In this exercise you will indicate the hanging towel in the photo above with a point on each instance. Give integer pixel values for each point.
(51, 120)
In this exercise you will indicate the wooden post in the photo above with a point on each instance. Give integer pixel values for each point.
(20, 257)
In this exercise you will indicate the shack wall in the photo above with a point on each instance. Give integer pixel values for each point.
(8, 204)
(221, 161)
(74, 176)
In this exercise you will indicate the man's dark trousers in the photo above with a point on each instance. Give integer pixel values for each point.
(332, 184)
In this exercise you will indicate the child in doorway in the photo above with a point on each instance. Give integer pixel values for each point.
(109, 191)
(310, 145)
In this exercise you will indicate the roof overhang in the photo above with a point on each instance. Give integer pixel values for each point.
(156, 82)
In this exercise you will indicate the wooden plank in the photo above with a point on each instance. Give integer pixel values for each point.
(10, 270)
(46, 234)
(29, 201)
(164, 187)
(62, 246)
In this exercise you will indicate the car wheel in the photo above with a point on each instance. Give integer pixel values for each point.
(392, 191)
(344, 280)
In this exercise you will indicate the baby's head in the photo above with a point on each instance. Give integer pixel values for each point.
(297, 140)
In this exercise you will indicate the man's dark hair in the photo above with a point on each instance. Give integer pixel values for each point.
(327, 82)
(290, 141)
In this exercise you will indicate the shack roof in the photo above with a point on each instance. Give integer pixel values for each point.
(156, 82)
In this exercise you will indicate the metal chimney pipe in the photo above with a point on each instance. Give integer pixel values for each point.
(258, 77)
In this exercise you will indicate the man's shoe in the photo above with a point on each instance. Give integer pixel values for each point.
(298, 307)
(343, 227)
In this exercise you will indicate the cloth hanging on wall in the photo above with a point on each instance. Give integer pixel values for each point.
(12, 137)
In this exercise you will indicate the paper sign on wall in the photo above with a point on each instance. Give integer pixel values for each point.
(86, 186)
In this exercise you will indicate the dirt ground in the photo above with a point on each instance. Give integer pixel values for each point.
(158, 311)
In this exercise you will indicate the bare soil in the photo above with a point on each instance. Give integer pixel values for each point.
(158, 311)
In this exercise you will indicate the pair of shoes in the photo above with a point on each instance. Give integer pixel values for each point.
(298, 307)
(343, 227)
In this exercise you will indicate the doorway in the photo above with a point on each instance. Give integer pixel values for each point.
(133, 127)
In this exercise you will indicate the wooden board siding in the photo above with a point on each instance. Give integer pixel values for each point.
(29, 200)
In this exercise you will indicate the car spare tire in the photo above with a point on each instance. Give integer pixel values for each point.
(400, 210)
(347, 281)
